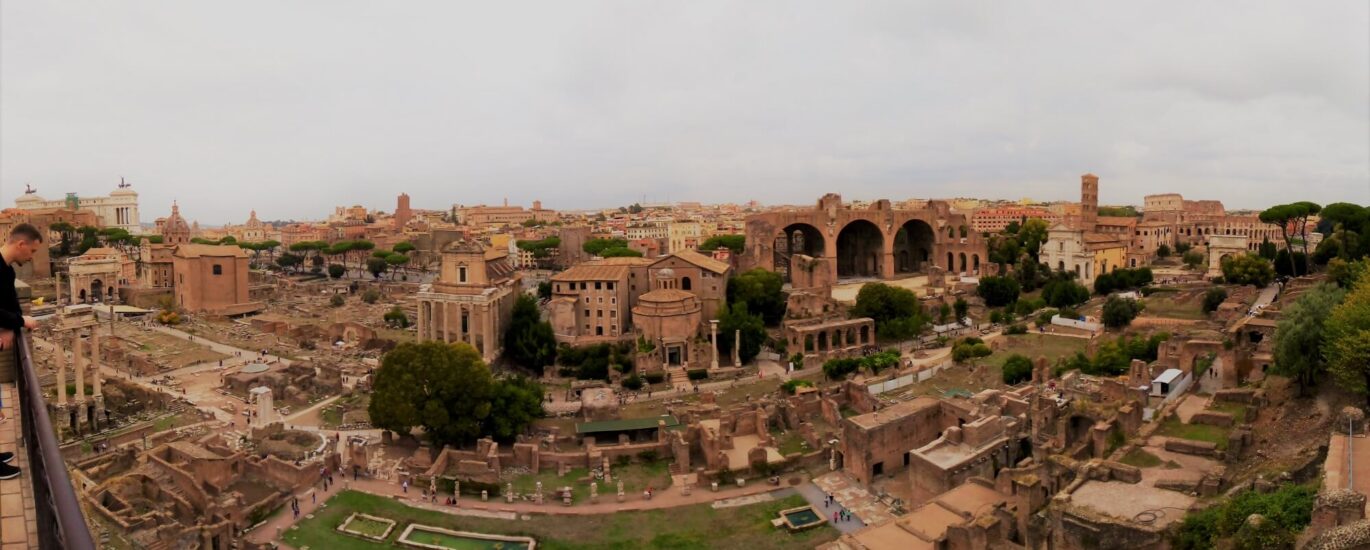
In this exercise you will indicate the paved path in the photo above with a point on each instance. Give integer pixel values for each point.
(497, 507)
(819, 500)
(216, 346)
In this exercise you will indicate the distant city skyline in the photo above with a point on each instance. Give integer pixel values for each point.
(293, 109)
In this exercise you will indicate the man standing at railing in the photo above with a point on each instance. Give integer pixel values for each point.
(18, 249)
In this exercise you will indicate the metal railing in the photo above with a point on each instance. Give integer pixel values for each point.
(56, 509)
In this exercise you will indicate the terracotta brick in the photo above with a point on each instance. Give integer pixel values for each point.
(11, 505)
(13, 530)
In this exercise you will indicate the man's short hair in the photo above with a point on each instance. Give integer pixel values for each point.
(27, 232)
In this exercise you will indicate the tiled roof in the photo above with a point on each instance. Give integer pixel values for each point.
(702, 261)
(197, 250)
(593, 271)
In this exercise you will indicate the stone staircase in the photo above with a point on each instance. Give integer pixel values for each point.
(679, 379)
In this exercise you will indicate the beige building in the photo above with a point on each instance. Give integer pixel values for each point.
(1087, 254)
(646, 231)
(684, 236)
(591, 301)
(502, 215)
(212, 279)
(596, 301)
(97, 275)
(472, 299)
(253, 231)
(119, 209)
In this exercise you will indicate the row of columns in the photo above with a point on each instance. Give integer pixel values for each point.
(79, 361)
(713, 341)
(435, 322)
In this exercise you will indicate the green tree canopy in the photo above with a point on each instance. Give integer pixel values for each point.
(1347, 339)
(997, 291)
(1299, 334)
(736, 243)
(595, 246)
(1193, 259)
(762, 291)
(736, 317)
(619, 252)
(1247, 269)
(1064, 292)
(1214, 298)
(1119, 312)
(1017, 368)
(443, 388)
(377, 267)
(529, 341)
(895, 310)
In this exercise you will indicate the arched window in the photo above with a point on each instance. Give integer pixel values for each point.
(684, 283)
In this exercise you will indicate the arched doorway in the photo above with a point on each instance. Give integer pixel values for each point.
(83, 295)
(951, 261)
(913, 246)
(97, 290)
(975, 263)
(859, 247)
(963, 261)
(798, 238)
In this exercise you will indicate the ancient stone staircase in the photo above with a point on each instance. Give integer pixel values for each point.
(679, 379)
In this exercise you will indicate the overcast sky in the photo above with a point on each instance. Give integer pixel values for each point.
(294, 107)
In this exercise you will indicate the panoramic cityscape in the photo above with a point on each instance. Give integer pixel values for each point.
(276, 289)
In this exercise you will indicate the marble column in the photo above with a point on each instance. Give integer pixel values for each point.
(446, 323)
(61, 359)
(80, 360)
(422, 322)
(95, 359)
(713, 339)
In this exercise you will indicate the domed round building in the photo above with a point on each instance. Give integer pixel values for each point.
(670, 319)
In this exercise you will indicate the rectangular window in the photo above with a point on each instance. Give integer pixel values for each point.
(597, 285)
(599, 313)
(611, 285)
(601, 299)
(613, 313)
(218, 269)
(461, 274)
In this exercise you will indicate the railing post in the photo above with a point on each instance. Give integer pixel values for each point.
(56, 508)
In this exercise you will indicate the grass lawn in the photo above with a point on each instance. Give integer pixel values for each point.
(688, 527)
(1237, 410)
(1034, 345)
(1172, 427)
(789, 442)
(368, 527)
(1140, 458)
(335, 413)
(1174, 305)
(636, 478)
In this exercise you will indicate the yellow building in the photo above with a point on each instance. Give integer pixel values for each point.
(1109, 252)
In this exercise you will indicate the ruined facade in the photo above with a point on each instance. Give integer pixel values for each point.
(878, 241)
(472, 299)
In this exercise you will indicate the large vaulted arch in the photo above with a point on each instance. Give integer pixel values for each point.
(798, 238)
(859, 248)
(913, 246)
